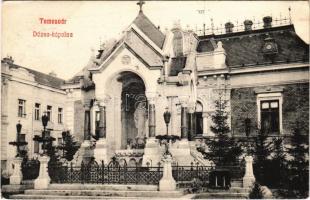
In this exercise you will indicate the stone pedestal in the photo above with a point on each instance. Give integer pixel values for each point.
(152, 152)
(167, 182)
(101, 151)
(17, 176)
(43, 180)
(181, 152)
(85, 153)
(248, 179)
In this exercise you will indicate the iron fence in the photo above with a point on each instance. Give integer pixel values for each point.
(113, 173)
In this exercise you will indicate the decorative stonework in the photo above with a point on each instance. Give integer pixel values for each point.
(17, 176)
(43, 181)
(126, 60)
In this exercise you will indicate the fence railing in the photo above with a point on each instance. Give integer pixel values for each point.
(114, 173)
(105, 174)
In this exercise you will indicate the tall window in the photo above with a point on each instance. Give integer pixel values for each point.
(37, 111)
(60, 114)
(21, 108)
(49, 113)
(178, 43)
(36, 147)
(270, 116)
(97, 123)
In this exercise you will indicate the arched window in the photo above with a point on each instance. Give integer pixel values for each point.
(178, 43)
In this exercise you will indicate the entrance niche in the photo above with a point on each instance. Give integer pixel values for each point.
(134, 111)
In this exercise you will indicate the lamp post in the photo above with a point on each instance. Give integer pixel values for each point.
(17, 176)
(18, 143)
(168, 138)
(45, 137)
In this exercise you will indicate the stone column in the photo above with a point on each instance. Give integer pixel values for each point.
(167, 182)
(191, 130)
(152, 121)
(151, 150)
(85, 153)
(184, 128)
(87, 136)
(102, 122)
(43, 180)
(17, 176)
(181, 151)
(248, 179)
(205, 123)
(101, 150)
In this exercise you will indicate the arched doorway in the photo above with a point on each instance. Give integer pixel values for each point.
(134, 111)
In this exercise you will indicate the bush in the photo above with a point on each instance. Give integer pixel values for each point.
(256, 192)
(30, 169)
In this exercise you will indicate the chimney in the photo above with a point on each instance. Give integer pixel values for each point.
(267, 21)
(229, 27)
(8, 60)
(247, 25)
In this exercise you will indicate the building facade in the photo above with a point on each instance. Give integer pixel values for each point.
(120, 97)
(25, 95)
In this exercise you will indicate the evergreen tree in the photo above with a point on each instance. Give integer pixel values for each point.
(278, 168)
(69, 146)
(223, 149)
(256, 192)
(299, 172)
(262, 152)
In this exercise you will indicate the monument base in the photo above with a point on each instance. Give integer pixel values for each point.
(85, 153)
(101, 151)
(248, 182)
(17, 176)
(152, 154)
(181, 152)
(43, 180)
(167, 182)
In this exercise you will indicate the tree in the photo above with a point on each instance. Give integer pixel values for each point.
(69, 146)
(299, 172)
(223, 149)
(262, 152)
(278, 168)
(256, 192)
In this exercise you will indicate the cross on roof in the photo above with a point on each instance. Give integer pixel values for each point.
(140, 3)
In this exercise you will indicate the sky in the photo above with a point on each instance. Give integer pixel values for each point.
(92, 22)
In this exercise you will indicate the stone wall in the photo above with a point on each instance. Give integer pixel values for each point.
(295, 107)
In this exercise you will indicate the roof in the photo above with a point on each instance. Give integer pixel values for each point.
(41, 78)
(245, 48)
(149, 29)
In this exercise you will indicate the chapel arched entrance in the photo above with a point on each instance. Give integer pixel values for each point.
(134, 111)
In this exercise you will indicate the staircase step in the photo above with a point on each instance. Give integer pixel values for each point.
(221, 195)
(23, 196)
(107, 193)
(103, 187)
